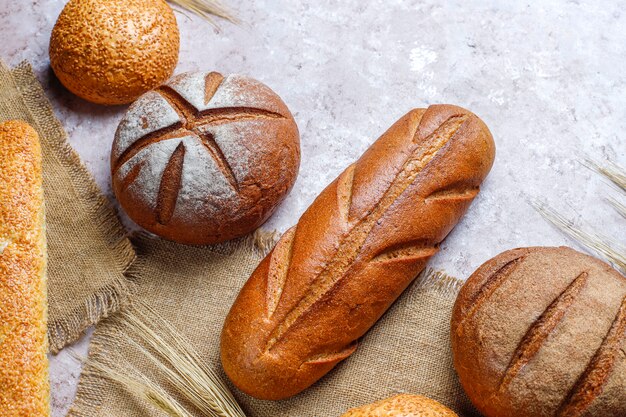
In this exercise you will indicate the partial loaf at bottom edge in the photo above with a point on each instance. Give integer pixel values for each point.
(402, 405)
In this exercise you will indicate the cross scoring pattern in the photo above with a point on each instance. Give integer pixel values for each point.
(192, 122)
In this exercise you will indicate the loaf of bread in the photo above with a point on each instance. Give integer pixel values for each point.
(112, 51)
(541, 332)
(353, 252)
(205, 158)
(24, 387)
(402, 405)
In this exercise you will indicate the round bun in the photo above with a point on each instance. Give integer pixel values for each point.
(541, 332)
(111, 52)
(403, 405)
(205, 158)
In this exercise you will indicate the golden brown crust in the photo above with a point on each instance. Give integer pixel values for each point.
(24, 389)
(542, 332)
(112, 52)
(353, 252)
(402, 405)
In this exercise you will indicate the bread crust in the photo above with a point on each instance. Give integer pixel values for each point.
(114, 51)
(354, 251)
(205, 158)
(540, 332)
(402, 405)
(24, 388)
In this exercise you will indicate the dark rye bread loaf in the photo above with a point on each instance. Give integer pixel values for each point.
(541, 332)
(205, 158)
(354, 250)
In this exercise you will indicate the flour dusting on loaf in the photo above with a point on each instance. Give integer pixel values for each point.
(191, 86)
(149, 113)
(153, 162)
(203, 182)
(241, 91)
(238, 157)
(239, 141)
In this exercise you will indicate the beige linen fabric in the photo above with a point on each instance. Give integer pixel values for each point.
(88, 251)
(193, 289)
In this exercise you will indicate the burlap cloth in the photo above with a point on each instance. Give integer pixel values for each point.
(193, 288)
(90, 275)
(88, 251)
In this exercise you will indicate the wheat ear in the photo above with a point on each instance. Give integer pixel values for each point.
(606, 247)
(609, 169)
(136, 383)
(176, 359)
(207, 9)
(617, 205)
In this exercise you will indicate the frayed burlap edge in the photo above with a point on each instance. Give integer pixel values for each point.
(91, 386)
(111, 297)
(444, 284)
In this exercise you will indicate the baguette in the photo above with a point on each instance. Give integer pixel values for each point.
(354, 251)
(24, 387)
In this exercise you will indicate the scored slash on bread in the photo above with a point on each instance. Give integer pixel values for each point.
(542, 332)
(479, 290)
(205, 158)
(354, 251)
(192, 121)
(359, 230)
(591, 382)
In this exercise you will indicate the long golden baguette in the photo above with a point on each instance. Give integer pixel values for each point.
(353, 252)
(24, 386)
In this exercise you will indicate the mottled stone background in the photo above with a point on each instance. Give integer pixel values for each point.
(548, 77)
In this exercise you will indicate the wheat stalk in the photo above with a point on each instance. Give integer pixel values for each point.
(207, 9)
(180, 363)
(175, 359)
(137, 383)
(609, 170)
(617, 205)
(606, 247)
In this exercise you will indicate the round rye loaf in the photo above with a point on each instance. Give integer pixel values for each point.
(541, 332)
(205, 158)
